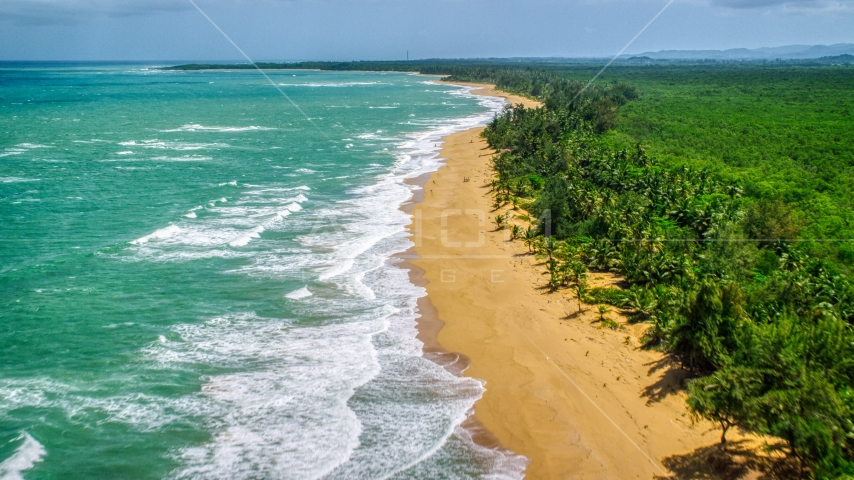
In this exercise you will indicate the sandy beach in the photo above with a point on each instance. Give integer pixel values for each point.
(578, 400)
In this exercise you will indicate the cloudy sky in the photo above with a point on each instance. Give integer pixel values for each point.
(164, 30)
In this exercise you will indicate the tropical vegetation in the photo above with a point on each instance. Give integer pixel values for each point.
(764, 325)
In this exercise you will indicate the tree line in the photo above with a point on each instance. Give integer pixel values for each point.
(720, 278)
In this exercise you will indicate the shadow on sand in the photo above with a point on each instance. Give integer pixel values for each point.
(670, 383)
(740, 460)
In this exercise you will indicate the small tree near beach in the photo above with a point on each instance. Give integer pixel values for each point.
(725, 397)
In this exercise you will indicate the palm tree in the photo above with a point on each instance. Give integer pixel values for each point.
(524, 217)
(604, 255)
(641, 301)
(603, 309)
(530, 236)
(549, 246)
(555, 274)
(581, 290)
(500, 221)
(493, 184)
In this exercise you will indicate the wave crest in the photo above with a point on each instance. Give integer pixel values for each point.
(25, 457)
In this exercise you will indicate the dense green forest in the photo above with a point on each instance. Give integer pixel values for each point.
(784, 134)
(721, 193)
(765, 326)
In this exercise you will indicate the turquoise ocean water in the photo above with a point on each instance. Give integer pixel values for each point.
(197, 282)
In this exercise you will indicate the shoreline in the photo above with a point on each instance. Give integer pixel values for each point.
(486, 316)
(428, 323)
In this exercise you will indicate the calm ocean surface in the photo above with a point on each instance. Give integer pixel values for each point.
(197, 282)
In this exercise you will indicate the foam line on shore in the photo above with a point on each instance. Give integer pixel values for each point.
(506, 463)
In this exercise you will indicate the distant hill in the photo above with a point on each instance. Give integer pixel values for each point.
(788, 52)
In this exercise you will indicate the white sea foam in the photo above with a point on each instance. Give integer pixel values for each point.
(287, 417)
(299, 294)
(377, 137)
(331, 84)
(21, 148)
(17, 180)
(25, 457)
(194, 127)
(245, 239)
(225, 224)
(161, 234)
(30, 146)
(83, 403)
(182, 158)
(164, 145)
